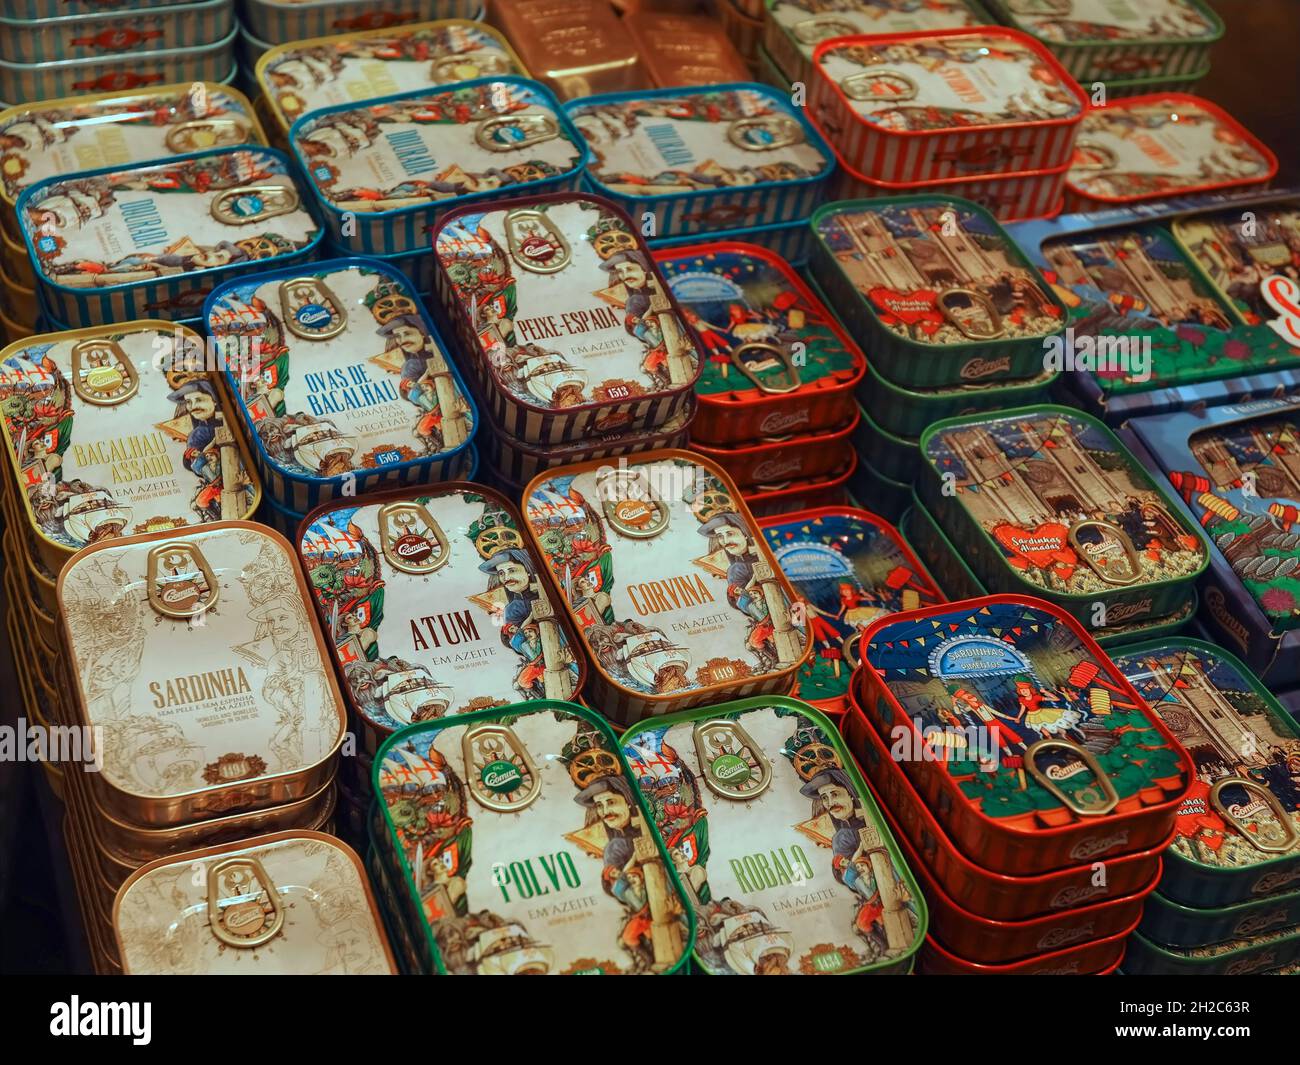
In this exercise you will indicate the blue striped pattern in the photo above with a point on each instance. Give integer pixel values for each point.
(163, 297)
(280, 23)
(299, 491)
(408, 228)
(48, 40)
(415, 265)
(22, 83)
(285, 520)
(706, 211)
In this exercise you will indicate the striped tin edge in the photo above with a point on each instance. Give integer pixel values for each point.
(156, 297)
(301, 492)
(1076, 200)
(247, 109)
(532, 423)
(708, 210)
(116, 32)
(910, 156)
(268, 54)
(406, 228)
(30, 82)
(281, 22)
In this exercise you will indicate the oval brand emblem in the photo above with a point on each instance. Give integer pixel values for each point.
(413, 548)
(501, 777)
(730, 769)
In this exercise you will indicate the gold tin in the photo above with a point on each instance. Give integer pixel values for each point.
(18, 301)
(129, 845)
(197, 655)
(43, 140)
(14, 259)
(110, 440)
(302, 76)
(684, 49)
(577, 47)
(30, 700)
(289, 903)
(704, 614)
(89, 899)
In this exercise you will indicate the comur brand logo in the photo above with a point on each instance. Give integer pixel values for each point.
(1216, 603)
(977, 368)
(1118, 612)
(777, 469)
(784, 421)
(1069, 352)
(730, 769)
(131, 1020)
(501, 777)
(1088, 848)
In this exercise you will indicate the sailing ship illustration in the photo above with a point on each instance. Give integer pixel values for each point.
(413, 695)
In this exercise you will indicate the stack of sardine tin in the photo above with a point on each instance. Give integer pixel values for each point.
(1013, 760)
(55, 137)
(174, 637)
(1229, 899)
(775, 397)
(985, 113)
(343, 384)
(50, 49)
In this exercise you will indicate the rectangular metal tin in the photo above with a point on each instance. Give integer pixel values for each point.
(281, 21)
(447, 617)
(575, 798)
(1019, 670)
(387, 401)
(606, 347)
(743, 300)
(304, 76)
(1048, 502)
(715, 626)
(683, 49)
(112, 31)
(179, 247)
(809, 827)
(385, 172)
(700, 159)
(914, 107)
(891, 267)
(848, 568)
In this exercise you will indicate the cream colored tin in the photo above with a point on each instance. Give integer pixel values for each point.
(306, 75)
(43, 140)
(109, 440)
(290, 903)
(130, 845)
(13, 256)
(19, 301)
(435, 606)
(196, 659)
(701, 615)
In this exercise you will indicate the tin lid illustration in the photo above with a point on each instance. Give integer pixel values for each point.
(1137, 286)
(762, 810)
(40, 141)
(207, 212)
(1245, 490)
(435, 606)
(681, 141)
(109, 439)
(402, 152)
(1149, 146)
(305, 76)
(566, 302)
(1237, 261)
(702, 605)
(809, 22)
(289, 903)
(483, 813)
(849, 567)
(958, 80)
(350, 373)
(1073, 22)
(763, 332)
(1064, 504)
(1244, 807)
(938, 272)
(1035, 726)
(197, 656)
